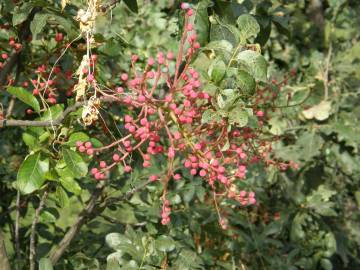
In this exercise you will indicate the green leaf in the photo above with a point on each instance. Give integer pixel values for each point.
(226, 32)
(254, 63)
(21, 13)
(248, 26)
(25, 97)
(210, 116)
(115, 261)
(31, 174)
(38, 23)
(75, 163)
(188, 259)
(47, 217)
(30, 140)
(217, 70)
(220, 45)
(70, 185)
(320, 111)
(239, 117)
(62, 197)
(132, 5)
(202, 23)
(45, 264)
(53, 113)
(246, 83)
(319, 201)
(114, 240)
(165, 243)
(326, 264)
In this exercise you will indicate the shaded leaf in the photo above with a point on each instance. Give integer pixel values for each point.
(38, 23)
(25, 96)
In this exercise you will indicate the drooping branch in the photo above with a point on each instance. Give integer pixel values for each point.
(48, 123)
(75, 228)
(90, 211)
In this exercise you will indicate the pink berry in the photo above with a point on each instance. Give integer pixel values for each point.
(116, 157)
(79, 143)
(171, 152)
(82, 149)
(141, 98)
(124, 76)
(127, 169)
(260, 113)
(185, 5)
(177, 177)
(90, 78)
(151, 61)
(202, 173)
(153, 178)
(90, 151)
(102, 164)
(197, 146)
(88, 144)
(94, 171)
(134, 58)
(170, 55)
(128, 118)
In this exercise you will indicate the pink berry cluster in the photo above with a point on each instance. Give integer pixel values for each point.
(165, 212)
(15, 47)
(165, 106)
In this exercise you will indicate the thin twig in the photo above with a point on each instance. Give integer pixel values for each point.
(326, 73)
(32, 255)
(4, 261)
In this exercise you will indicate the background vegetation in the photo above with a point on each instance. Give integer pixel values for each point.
(304, 219)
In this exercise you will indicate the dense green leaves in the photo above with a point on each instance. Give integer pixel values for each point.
(307, 189)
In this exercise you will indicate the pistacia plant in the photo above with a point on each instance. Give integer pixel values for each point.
(164, 134)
